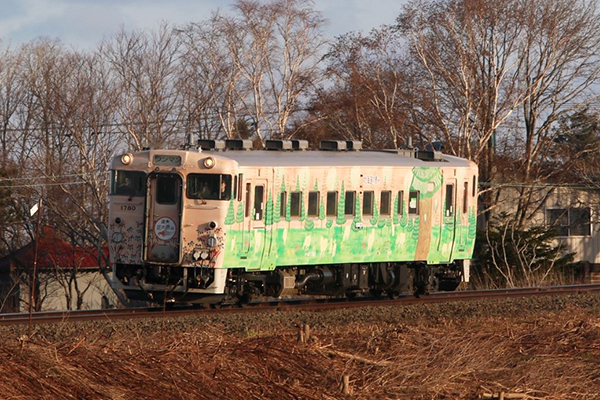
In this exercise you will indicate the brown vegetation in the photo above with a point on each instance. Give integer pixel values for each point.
(542, 348)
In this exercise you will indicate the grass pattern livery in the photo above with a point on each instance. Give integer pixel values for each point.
(222, 223)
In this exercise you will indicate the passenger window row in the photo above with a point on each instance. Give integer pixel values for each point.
(332, 202)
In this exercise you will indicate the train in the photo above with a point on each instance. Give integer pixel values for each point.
(217, 221)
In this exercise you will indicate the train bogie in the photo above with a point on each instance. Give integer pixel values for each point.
(204, 225)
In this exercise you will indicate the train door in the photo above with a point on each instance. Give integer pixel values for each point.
(254, 241)
(463, 203)
(163, 217)
(448, 229)
(259, 204)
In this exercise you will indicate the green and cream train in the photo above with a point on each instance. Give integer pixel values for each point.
(223, 223)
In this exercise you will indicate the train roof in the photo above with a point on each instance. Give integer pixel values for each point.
(316, 158)
(312, 158)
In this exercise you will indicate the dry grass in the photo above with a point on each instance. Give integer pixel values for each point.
(453, 352)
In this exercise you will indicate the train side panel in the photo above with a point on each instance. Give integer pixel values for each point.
(288, 217)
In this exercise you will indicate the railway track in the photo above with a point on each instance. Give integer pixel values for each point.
(282, 305)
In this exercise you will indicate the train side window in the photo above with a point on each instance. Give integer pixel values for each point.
(368, 200)
(413, 202)
(332, 203)
(474, 185)
(167, 190)
(282, 203)
(349, 205)
(209, 186)
(385, 202)
(400, 210)
(295, 203)
(240, 186)
(128, 183)
(449, 208)
(259, 192)
(466, 198)
(235, 185)
(313, 204)
(248, 192)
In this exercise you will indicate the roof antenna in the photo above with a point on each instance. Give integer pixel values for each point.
(190, 143)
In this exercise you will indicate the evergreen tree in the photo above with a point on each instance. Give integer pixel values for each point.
(396, 216)
(302, 207)
(230, 219)
(341, 217)
(269, 210)
(357, 212)
(277, 211)
(375, 217)
(240, 213)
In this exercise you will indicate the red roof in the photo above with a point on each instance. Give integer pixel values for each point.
(54, 253)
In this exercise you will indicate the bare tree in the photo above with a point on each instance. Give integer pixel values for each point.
(468, 57)
(146, 68)
(561, 65)
(210, 84)
(370, 72)
(505, 68)
(293, 65)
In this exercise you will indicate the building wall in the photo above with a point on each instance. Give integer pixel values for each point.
(53, 289)
(586, 246)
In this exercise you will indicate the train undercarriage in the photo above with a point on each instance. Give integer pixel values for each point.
(194, 285)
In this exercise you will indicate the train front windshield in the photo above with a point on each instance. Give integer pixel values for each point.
(128, 183)
(209, 187)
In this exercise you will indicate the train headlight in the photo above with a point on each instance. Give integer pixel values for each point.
(209, 162)
(127, 159)
(212, 241)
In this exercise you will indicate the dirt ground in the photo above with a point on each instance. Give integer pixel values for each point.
(529, 348)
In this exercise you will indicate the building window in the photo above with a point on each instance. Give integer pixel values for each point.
(368, 198)
(313, 204)
(570, 222)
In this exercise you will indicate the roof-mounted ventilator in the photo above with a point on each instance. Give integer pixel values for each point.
(299, 144)
(355, 145)
(238, 144)
(209, 144)
(286, 144)
(278, 145)
(229, 144)
(407, 152)
(341, 145)
(333, 145)
(429, 155)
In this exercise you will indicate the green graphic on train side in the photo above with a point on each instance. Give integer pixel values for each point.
(331, 240)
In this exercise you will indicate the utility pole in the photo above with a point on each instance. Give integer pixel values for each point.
(36, 208)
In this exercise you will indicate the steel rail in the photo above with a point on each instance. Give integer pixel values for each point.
(289, 304)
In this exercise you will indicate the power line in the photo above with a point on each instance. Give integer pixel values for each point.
(51, 177)
(49, 184)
